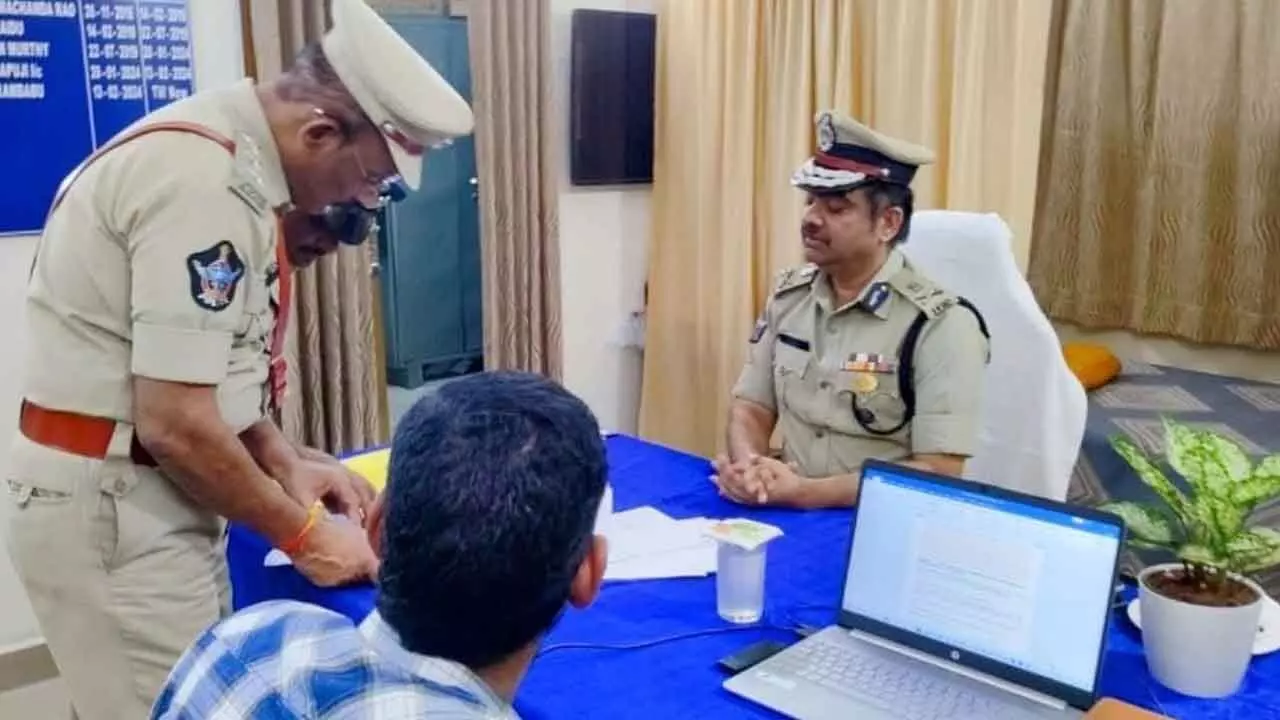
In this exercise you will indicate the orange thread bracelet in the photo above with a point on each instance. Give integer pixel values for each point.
(313, 516)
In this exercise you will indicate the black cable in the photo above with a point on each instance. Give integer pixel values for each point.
(787, 626)
(660, 640)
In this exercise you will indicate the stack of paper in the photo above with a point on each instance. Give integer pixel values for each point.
(645, 544)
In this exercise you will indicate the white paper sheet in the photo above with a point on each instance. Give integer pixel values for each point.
(646, 544)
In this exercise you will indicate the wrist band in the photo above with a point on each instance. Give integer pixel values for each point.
(313, 516)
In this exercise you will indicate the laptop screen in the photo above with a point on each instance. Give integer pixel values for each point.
(1021, 581)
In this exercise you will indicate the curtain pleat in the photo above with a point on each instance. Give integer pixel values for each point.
(1157, 210)
(518, 186)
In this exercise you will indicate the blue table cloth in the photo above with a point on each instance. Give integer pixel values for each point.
(639, 677)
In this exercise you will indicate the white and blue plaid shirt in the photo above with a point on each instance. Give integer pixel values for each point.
(284, 660)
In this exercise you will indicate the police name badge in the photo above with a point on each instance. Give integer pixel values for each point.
(215, 273)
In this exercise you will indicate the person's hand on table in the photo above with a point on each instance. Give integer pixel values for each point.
(739, 481)
(342, 490)
(759, 480)
(336, 552)
(782, 483)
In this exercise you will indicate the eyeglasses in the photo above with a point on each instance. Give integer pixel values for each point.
(388, 187)
(350, 222)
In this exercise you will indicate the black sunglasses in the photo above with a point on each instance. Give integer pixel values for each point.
(350, 221)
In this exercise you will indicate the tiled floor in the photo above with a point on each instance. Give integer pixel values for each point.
(48, 700)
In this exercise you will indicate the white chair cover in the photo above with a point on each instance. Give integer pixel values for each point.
(1033, 407)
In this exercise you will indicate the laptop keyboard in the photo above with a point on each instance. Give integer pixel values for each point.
(904, 688)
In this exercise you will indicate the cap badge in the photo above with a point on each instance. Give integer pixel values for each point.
(826, 133)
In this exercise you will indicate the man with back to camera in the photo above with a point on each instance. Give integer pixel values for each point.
(156, 310)
(857, 354)
(486, 532)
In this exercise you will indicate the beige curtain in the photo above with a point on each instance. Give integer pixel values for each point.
(336, 396)
(511, 71)
(1158, 193)
(739, 82)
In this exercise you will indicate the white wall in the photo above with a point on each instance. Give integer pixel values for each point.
(218, 62)
(604, 238)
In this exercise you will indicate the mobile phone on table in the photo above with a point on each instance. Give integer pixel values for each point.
(751, 656)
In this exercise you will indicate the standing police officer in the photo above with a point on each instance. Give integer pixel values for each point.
(156, 312)
(857, 354)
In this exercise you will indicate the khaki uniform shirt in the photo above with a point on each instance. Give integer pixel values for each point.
(808, 361)
(160, 262)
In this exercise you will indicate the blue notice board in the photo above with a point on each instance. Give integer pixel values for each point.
(72, 75)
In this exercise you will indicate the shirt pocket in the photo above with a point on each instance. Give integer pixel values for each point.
(875, 401)
(790, 371)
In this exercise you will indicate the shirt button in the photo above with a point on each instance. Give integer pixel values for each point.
(819, 434)
(831, 328)
(120, 486)
(824, 385)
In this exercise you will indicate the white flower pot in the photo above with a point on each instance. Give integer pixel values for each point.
(1197, 650)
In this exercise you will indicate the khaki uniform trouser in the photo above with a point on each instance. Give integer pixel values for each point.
(122, 569)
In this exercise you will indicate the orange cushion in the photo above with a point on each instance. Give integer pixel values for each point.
(1093, 365)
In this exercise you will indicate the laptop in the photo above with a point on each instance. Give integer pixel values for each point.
(961, 601)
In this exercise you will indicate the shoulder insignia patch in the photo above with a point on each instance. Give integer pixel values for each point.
(758, 331)
(795, 278)
(246, 175)
(931, 299)
(876, 296)
(215, 273)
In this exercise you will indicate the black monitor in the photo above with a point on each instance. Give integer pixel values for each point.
(611, 97)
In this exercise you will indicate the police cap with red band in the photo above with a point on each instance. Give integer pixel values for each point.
(850, 154)
(408, 101)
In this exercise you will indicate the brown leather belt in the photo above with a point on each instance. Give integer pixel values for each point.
(82, 435)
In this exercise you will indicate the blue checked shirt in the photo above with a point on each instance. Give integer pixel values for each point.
(282, 660)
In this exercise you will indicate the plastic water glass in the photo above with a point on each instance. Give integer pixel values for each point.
(740, 583)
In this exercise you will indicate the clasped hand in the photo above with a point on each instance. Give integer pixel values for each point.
(757, 480)
(334, 551)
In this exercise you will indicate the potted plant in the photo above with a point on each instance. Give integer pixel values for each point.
(1200, 614)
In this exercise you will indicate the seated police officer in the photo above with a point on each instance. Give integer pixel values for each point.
(857, 355)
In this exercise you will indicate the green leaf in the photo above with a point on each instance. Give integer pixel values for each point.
(1199, 554)
(1261, 486)
(1213, 466)
(1210, 462)
(1270, 465)
(1255, 550)
(1147, 525)
(1153, 477)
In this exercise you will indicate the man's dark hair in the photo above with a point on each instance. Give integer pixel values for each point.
(492, 494)
(883, 195)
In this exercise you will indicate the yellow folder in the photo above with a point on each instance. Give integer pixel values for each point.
(372, 465)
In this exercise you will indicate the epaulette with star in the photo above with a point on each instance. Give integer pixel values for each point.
(794, 279)
(246, 174)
